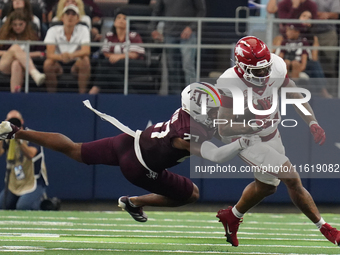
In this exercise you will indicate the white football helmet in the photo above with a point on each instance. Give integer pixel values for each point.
(198, 99)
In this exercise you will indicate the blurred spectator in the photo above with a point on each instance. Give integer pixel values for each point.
(96, 13)
(295, 57)
(291, 9)
(67, 47)
(110, 72)
(26, 176)
(272, 9)
(96, 16)
(179, 33)
(327, 34)
(13, 57)
(313, 68)
(26, 6)
(80, 4)
(42, 6)
(95, 35)
(272, 6)
(50, 4)
(39, 3)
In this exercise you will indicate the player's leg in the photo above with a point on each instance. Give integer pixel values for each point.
(134, 205)
(231, 217)
(160, 200)
(253, 194)
(54, 141)
(304, 201)
(167, 188)
(264, 185)
(299, 195)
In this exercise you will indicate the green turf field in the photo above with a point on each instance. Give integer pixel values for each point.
(164, 233)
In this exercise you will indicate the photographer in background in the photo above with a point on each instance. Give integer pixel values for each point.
(26, 176)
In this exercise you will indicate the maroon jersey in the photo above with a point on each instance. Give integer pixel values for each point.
(120, 49)
(296, 48)
(156, 141)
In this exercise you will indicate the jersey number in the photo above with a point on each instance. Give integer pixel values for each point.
(162, 133)
(189, 136)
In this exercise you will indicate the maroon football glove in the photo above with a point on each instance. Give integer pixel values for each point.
(318, 133)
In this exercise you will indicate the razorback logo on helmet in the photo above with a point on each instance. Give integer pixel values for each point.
(239, 51)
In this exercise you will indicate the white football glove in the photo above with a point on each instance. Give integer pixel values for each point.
(247, 141)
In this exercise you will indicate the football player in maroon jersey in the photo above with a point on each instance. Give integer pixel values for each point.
(144, 156)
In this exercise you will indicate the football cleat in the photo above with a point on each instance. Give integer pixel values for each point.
(332, 234)
(7, 130)
(230, 223)
(135, 212)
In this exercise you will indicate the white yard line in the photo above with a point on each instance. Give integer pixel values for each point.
(172, 244)
(221, 232)
(172, 237)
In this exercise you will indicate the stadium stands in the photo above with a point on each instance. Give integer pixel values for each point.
(218, 38)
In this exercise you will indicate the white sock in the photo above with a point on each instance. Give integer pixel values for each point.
(320, 223)
(132, 204)
(237, 213)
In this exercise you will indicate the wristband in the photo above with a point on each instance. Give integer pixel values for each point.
(313, 122)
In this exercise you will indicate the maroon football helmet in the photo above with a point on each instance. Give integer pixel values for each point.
(253, 59)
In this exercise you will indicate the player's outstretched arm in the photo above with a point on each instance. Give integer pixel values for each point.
(226, 152)
(210, 151)
(317, 131)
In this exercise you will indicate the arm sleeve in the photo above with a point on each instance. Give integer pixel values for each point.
(220, 154)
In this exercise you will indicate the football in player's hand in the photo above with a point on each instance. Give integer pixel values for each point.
(248, 115)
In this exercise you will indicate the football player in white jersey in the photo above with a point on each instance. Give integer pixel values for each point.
(262, 71)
